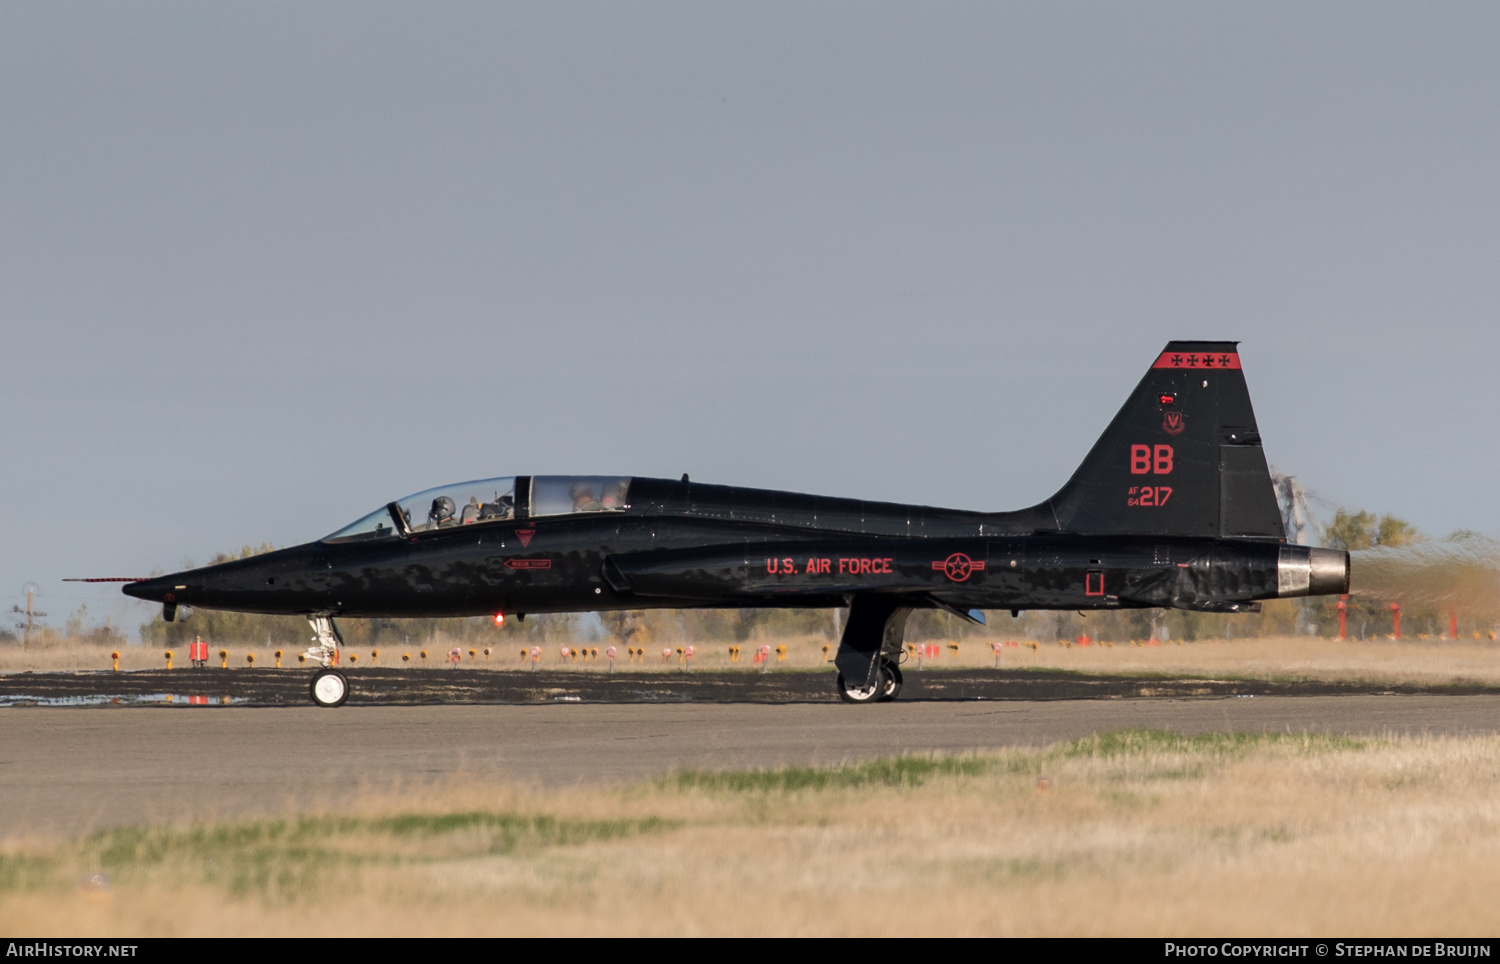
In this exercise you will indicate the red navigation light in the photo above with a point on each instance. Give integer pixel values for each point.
(499, 620)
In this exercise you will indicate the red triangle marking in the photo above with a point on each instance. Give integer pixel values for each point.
(525, 536)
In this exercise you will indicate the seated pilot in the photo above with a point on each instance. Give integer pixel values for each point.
(582, 495)
(441, 513)
(613, 496)
(502, 508)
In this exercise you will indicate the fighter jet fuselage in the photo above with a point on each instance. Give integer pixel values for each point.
(685, 544)
(1173, 507)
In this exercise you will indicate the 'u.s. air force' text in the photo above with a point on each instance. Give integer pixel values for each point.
(817, 566)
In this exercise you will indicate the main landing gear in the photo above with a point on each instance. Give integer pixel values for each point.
(329, 686)
(883, 689)
(869, 655)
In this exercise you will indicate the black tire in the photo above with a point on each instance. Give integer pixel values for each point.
(892, 677)
(865, 694)
(329, 688)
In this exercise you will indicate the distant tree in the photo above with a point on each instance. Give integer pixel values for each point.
(1350, 530)
(1366, 616)
(77, 628)
(1397, 532)
(1365, 530)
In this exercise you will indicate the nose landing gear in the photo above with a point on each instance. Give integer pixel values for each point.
(329, 688)
(326, 641)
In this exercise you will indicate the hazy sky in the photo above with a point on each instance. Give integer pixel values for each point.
(264, 267)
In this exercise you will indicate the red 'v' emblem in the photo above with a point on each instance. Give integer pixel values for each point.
(525, 536)
(1173, 423)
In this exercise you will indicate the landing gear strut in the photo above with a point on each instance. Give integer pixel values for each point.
(870, 650)
(329, 686)
(326, 641)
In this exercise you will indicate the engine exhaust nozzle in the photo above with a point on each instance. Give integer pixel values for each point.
(1304, 571)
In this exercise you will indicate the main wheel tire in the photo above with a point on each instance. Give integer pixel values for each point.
(329, 688)
(862, 694)
(892, 689)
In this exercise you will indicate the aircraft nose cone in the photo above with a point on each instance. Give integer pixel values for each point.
(154, 590)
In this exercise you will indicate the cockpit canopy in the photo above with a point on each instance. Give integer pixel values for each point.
(562, 494)
(489, 500)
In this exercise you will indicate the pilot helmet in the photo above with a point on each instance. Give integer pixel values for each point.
(442, 509)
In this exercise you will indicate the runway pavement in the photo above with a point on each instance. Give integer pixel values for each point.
(73, 770)
(398, 686)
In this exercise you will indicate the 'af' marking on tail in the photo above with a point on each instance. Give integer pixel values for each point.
(1154, 495)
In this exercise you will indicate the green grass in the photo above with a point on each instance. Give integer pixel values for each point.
(1119, 743)
(507, 831)
(286, 859)
(897, 771)
(25, 871)
(289, 859)
(914, 771)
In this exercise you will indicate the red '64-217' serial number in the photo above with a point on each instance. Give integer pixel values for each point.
(1148, 495)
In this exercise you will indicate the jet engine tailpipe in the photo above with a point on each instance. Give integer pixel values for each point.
(1302, 571)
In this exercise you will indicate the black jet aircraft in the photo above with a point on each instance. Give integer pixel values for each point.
(1173, 507)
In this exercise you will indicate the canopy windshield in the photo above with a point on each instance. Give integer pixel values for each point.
(467, 503)
(564, 494)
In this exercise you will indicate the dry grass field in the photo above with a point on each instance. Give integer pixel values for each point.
(1296, 657)
(1123, 834)
(1126, 833)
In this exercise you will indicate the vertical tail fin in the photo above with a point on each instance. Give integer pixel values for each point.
(1182, 458)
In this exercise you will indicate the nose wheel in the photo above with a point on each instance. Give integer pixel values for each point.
(329, 688)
